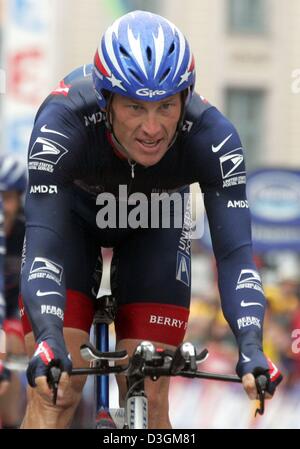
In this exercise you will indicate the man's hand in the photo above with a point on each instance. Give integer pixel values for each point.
(274, 377)
(46, 392)
(252, 363)
(49, 353)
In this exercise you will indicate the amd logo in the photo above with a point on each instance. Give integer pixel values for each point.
(93, 119)
(238, 204)
(43, 189)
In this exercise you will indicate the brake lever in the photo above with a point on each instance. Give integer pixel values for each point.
(261, 385)
(53, 381)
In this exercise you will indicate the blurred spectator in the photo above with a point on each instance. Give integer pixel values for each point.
(13, 183)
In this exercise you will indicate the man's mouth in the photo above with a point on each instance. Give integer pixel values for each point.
(149, 143)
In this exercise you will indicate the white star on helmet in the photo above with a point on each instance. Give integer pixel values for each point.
(184, 77)
(115, 82)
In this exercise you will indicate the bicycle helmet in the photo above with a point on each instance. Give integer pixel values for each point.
(143, 56)
(13, 174)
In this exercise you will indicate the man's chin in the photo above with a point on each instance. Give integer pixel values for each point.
(149, 161)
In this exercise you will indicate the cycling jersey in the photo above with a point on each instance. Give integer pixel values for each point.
(71, 160)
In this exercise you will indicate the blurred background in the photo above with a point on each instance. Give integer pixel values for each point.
(248, 65)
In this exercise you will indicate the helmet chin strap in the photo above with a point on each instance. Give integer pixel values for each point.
(118, 144)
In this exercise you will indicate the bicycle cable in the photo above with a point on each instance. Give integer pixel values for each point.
(133, 387)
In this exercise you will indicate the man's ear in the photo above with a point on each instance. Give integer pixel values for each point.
(109, 116)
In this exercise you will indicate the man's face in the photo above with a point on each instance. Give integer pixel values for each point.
(144, 128)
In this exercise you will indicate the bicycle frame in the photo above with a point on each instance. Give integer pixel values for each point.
(101, 331)
(104, 316)
(135, 414)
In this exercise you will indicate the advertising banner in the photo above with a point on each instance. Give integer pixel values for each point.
(27, 53)
(274, 201)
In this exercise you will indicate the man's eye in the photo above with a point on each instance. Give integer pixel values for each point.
(135, 107)
(166, 106)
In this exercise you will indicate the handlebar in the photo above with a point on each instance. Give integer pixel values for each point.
(148, 361)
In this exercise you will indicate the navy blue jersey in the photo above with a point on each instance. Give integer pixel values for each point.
(70, 154)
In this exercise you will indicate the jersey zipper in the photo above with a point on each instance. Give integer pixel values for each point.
(132, 165)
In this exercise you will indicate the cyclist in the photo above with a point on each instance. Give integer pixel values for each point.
(131, 119)
(13, 180)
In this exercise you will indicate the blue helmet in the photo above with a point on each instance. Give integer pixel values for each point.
(13, 173)
(143, 56)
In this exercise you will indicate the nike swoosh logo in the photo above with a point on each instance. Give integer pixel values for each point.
(246, 359)
(216, 149)
(247, 304)
(44, 129)
(39, 293)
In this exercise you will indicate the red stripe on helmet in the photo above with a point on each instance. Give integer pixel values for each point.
(192, 66)
(99, 65)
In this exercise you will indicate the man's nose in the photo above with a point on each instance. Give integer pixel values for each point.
(151, 126)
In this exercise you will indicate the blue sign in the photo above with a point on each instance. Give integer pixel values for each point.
(274, 201)
(17, 134)
(274, 196)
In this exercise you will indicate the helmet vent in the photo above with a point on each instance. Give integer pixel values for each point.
(149, 54)
(135, 75)
(165, 76)
(171, 49)
(124, 52)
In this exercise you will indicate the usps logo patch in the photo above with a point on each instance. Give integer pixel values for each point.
(232, 163)
(43, 268)
(233, 168)
(47, 150)
(183, 268)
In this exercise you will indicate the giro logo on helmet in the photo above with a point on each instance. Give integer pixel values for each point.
(150, 93)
